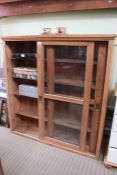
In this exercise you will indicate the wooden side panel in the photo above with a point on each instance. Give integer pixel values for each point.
(102, 50)
(87, 92)
(10, 86)
(105, 98)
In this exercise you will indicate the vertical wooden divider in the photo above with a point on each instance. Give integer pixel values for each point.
(87, 95)
(105, 97)
(40, 83)
(101, 65)
(50, 86)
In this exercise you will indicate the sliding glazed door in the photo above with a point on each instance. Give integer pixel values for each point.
(69, 97)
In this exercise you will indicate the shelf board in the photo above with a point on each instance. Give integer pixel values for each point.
(72, 82)
(29, 113)
(65, 60)
(17, 94)
(68, 122)
(32, 132)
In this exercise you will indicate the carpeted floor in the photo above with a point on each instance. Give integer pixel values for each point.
(22, 156)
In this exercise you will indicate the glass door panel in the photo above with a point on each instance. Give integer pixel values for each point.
(72, 71)
(69, 72)
(63, 121)
(65, 70)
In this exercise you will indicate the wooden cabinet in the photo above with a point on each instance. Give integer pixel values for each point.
(73, 83)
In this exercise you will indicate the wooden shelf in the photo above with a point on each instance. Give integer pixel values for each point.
(29, 113)
(65, 60)
(72, 82)
(17, 94)
(67, 135)
(26, 131)
(69, 122)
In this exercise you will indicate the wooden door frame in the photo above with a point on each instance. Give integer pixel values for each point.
(87, 95)
(105, 96)
(74, 100)
(100, 77)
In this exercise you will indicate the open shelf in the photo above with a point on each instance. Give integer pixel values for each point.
(33, 132)
(17, 94)
(31, 114)
(26, 107)
(26, 125)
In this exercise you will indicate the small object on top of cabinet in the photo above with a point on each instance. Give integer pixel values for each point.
(26, 73)
(28, 90)
(46, 30)
(61, 30)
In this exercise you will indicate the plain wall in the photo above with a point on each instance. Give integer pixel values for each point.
(84, 22)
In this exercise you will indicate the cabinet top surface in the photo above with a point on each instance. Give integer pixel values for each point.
(57, 37)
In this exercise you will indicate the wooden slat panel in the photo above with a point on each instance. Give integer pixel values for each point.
(41, 108)
(105, 97)
(10, 86)
(45, 6)
(87, 94)
(98, 95)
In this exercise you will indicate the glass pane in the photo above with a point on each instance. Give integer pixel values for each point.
(94, 72)
(93, 123)
(63, 121)
(90, 124)
(66, 66)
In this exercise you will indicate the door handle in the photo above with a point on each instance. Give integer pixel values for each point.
(40, 98)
